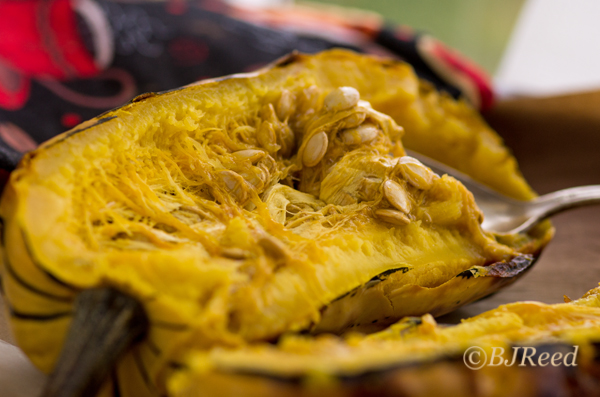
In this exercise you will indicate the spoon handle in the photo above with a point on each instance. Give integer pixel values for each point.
(559, 201)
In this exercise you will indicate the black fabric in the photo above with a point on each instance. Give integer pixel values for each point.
(408, 48)
(158, 50)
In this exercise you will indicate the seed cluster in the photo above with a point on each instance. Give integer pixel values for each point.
(342, 160)
(309, 156)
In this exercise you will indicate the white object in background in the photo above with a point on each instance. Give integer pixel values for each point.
(101, 32)
(18, 377)
(554, 49)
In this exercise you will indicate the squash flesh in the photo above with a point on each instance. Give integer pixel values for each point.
(139, 201)
(299, 365)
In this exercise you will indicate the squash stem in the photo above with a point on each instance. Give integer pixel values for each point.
(106, 323)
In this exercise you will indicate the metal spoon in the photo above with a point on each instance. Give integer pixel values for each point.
(506, 215)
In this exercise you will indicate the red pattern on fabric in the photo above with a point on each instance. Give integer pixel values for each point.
(66, 34)
(214, 6)
(16, 138)
(187, 51)
(14, 89)
(25, 46)
(176, 7)
(474, 73)
(404, 33)
(338, 22)
(70, 120)
(21, 42)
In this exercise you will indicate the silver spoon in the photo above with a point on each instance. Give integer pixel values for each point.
(506, 215)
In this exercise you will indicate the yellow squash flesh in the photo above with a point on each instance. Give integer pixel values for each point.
(241, 209)
(417, 357)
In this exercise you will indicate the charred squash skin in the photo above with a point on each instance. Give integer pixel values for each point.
(238, 210)
(378, 303)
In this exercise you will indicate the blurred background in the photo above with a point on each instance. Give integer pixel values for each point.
(479, 29)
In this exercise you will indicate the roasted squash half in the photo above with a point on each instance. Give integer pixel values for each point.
(519, 349)
(240, 209)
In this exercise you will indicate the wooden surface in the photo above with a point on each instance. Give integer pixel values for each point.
(557, 143)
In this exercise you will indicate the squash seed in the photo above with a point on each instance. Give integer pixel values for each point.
(308, 101)
(416, 173)
(354, 120)
(396, 195)
(364, 104)
(235, 184)
(315, 149)
(267, 138)
(362, 134)
(341, 98)
(273, 247)
(287, 140)
(285, 105)
(368, 188)
(265, 176)
(235, 253)
(249, 154)
(393, 217)
(293, 208)
(253, 176)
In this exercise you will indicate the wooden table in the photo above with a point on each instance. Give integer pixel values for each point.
(557, 144)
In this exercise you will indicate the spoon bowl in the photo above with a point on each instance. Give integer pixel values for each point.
(503, 214)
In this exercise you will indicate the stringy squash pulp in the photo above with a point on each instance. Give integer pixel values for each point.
(240, 209)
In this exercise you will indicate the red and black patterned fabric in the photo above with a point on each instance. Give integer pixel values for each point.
(66, 61)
